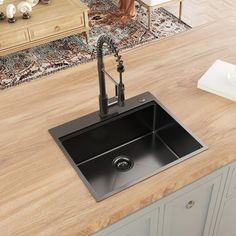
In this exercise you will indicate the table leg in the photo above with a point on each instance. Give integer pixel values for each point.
(87, 36)
(180, 9)
(149, 17)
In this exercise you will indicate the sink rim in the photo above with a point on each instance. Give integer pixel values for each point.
(90, 121)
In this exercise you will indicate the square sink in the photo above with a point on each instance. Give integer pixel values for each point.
(135, 142)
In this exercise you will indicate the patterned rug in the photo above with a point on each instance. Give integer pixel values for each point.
(42, 60)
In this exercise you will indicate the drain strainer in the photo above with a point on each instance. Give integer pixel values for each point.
(123, 163)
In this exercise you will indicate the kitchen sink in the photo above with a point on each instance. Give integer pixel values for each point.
(137, 141)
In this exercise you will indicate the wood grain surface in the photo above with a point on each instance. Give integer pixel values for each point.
(199, 12)
(40, 193)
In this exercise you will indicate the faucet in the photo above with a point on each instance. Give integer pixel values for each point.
(104, 102)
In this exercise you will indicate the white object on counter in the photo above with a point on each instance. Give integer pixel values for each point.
(1, 2)
(33, 2)
(24, 7)
(10, 11)
(220, 79)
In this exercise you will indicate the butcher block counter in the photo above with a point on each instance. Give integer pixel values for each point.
(41, 194)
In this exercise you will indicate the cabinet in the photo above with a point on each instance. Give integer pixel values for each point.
(49, 22)
(10, 39)
(191, 211)
(226, 222)
(55, 27)
(142, 223)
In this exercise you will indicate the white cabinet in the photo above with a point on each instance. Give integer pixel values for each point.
(145, 225)
(232, 182)
(206, 207)
(142, 223)
(191, 212)
(226, 222)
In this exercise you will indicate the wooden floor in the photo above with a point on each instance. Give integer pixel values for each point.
(199, 12)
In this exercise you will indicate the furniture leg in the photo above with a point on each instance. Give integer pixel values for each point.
(86, 20)
(149, 17)
(180, 9)
(87, 36)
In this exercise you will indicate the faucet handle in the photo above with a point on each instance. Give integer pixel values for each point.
(120, 68)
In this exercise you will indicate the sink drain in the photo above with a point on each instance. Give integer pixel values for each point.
(123, 163)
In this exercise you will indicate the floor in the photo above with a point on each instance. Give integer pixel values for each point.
(199, 12)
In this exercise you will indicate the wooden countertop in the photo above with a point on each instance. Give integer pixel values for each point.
(40, 193)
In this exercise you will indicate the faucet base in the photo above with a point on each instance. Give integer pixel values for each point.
(103, 105)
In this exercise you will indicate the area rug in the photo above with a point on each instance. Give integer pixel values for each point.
(42, 60)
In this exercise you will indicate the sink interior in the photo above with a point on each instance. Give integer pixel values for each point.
(117, 152)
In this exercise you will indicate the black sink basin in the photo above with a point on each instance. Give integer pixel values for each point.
(137, 141)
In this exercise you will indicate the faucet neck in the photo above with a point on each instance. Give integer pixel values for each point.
(103, 98)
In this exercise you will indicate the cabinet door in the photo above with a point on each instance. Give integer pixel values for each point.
(135, 225)
(232, 183)
(227, 224)
(191, 213)
(144, 226)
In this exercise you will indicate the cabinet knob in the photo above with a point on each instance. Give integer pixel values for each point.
(57, 28)
(190, 204)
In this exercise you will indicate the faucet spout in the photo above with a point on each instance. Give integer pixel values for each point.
(104, 102)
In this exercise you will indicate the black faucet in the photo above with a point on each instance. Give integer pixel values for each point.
(104, 102)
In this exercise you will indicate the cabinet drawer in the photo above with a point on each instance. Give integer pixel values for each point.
(12, 39)
(56, 27)
(191, 213)
(232, 186)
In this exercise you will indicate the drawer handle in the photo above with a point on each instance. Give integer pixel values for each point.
(57, 28)
(190, 204)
